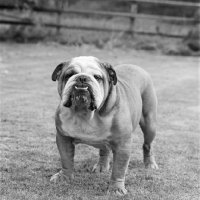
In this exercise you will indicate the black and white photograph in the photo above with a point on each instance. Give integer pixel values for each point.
(99, 99)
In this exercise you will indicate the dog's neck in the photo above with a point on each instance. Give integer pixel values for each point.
(84, 113)
(109, 102)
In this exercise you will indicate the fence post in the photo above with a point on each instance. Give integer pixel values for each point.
(60, 6)
(134, 9)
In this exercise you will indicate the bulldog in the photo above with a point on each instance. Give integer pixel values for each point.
(101, 106)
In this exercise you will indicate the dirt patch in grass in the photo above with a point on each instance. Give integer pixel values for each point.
(28, 150)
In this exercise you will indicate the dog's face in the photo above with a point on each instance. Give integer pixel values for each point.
(84, 82)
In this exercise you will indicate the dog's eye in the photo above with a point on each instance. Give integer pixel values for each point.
(69, 75)
(98, 78)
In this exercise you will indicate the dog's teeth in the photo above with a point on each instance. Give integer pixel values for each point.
(77, 88)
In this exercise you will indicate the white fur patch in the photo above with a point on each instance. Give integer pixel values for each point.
(86, 130)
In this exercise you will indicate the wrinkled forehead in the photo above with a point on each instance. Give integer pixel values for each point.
(85, 64)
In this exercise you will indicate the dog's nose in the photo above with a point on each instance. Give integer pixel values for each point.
(82, 79)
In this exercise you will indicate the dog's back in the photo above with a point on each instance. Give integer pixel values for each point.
(134, 76)
(140, 88)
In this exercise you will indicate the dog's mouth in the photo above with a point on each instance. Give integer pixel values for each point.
(81, 98)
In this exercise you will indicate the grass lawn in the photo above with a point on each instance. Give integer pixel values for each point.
(29, 155)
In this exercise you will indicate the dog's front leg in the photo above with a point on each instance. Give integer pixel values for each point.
(121, 158)
(66, 149)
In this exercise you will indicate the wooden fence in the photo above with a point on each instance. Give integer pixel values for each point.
(132, 15)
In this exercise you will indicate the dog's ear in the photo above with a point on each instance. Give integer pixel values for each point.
(57, 72)
(111, 72)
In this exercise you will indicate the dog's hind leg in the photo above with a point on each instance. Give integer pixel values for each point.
(103, 165)
(148, 124)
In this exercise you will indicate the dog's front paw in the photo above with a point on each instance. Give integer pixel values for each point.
(56, 178)
(61, 176)
(117, 188)
(150, 162)
(103, 165)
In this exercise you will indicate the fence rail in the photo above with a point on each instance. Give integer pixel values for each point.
(170, 3)
(131, 15)
(111, 14)
(52, 25)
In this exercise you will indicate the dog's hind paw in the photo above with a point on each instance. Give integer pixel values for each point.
(61, 176)
(103, 165)
(150, 162)
(100, 168)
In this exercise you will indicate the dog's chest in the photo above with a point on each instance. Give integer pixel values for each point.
(85, 130)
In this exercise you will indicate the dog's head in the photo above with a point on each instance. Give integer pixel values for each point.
(84, 82)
